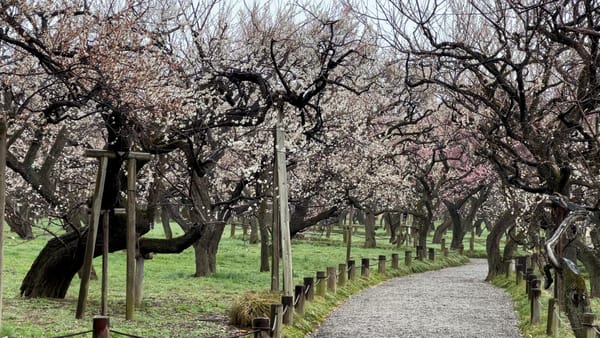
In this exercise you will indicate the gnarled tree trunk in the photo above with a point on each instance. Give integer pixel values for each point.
(496, 265)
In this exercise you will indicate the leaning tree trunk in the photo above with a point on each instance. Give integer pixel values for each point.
(19, 221)
(496, 265)
(53, 270)
(441, 230)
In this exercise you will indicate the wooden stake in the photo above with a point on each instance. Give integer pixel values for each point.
(284, 213)
(105, 224)
(91, 237)
(3, 150)
(131, 236)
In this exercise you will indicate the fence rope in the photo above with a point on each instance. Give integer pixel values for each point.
(245, 334)
(306, 290)
(285, 309)
(296, 301)
(274, 324)
(125, 334)
(74, 334)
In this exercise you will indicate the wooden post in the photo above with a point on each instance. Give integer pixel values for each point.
(461, 250)
(3, 155)
(276, 238)
(395, 261)
(299, 296)
(408, 258)
(352, 270)
(284, 213)
(263, 326)
(331, 279)
(446, 252)
(552, 325)
(232, 235)
(588, 325)
(105, 226)
(276, 320)
(139, 279)
(91, 237)
(381, 264)
(535, 306)
(288, 309)
(519, 277)
(443, 244)
(101, 327)
(321, 283)
(364, 267)
(432, 254)
(342, 275)
(131, 239)
(309, 286)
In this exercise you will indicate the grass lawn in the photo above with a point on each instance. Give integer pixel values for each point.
(175, 304)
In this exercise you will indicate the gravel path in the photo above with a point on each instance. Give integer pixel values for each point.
(449, 303)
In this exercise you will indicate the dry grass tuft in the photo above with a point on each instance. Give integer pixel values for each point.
(251, 305)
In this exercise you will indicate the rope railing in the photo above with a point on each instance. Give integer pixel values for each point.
(245, 334)
(125, 334)
(74, 334)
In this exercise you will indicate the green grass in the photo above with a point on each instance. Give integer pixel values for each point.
(175, 304)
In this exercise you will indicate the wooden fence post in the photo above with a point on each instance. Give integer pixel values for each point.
(321, 283)
(352, 270)
(288, 309)
(432, 254)
(408, 258)
(276, 320)
(395, 261)
(261, 326)
(381, 264)
(331, 279)
(588, 324)
(535, 305)
(364, 267)
(552, 325)
(101, 325)
(443, 244)
(309, 286)
(299, 293)
(446, 252)
(343, 274)
(461, 250)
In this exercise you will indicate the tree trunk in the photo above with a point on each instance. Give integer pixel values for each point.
(496, 265)
(263, 223)
(591, 261)
(370, 241)
(166, 223)
(253, 230)
(441, 230)
(19, 222)
(205, 250)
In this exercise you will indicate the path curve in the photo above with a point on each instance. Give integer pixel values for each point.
(450, 303)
